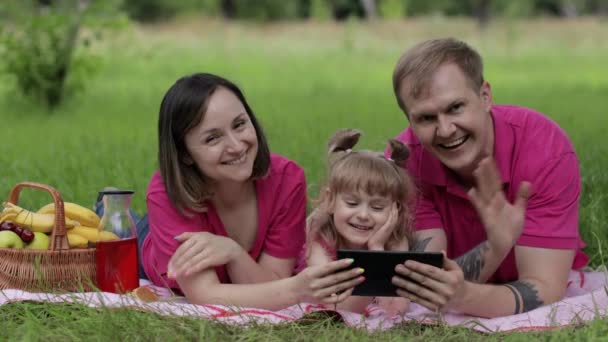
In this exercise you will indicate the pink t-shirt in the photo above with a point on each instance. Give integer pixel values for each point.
(528, 147)
(281, 203)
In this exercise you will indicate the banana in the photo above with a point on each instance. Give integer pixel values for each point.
(89, 233)
(76, 212)
(77, 241)
(92, 234)
(7, 215)
(33, 221)
(107, 236)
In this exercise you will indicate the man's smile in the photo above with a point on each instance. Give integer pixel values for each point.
(454, 143)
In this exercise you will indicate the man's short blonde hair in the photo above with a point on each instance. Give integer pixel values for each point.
(418, 64)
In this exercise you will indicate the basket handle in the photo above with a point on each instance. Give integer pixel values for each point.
(59, 239)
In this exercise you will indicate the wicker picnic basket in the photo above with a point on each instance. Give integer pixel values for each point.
(57, 269)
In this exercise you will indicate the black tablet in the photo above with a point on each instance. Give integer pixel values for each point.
(380, 268)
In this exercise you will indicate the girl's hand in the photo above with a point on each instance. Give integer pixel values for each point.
(325, 283)
(200, 251)
(393, 305)
(377, 241)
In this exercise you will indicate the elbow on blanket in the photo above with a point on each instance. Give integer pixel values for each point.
(204, 295)
(551, 293)
(201, 289)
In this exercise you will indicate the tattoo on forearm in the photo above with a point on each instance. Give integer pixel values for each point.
(420, 246)
(526, 296)
(473, 261)
(516, 296)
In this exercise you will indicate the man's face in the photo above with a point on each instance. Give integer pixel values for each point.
(451, 120)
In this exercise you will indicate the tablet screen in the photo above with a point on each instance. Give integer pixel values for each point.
(380, 268)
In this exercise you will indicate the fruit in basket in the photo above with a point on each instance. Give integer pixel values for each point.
(25, 234)
(9, 239)
(35, 222)
(77, 241)
(6, 215)
(93, 235)
(76, 212)
(40, 241)
(7, 225)
(107, 236)
(89, 233)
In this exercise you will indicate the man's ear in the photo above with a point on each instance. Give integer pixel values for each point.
(485, 92)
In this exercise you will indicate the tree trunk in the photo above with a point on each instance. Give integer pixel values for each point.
(568, 9)
(228, 8)
(370, 8)
(482, 13)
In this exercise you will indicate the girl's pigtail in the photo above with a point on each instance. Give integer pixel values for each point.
(399, 152)
(343, 140)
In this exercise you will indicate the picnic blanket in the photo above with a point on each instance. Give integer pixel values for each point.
(586, 299)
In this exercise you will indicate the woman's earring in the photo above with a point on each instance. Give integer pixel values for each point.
(187, 160)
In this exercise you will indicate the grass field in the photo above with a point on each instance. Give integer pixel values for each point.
(303, 81)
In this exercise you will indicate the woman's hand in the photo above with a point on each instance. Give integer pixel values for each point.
(325, 283)
(502, 220)
(377, 241)
(200, 251)
(393, 305)
(432, 287)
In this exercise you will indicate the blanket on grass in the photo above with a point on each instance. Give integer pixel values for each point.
(586, 299)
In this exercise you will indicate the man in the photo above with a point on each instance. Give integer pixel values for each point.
(499, 189)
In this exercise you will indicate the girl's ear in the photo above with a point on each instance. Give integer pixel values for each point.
(329, 200)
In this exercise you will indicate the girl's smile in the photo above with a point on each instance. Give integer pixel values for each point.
(358, 215)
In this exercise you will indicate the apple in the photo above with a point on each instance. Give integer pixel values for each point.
(25, 234)
(40, 241)
(8, 239)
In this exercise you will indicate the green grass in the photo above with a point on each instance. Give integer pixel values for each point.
(304, 81)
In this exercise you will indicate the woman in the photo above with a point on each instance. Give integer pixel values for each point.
(226, 216)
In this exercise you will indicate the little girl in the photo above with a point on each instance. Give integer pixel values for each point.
(365, 205)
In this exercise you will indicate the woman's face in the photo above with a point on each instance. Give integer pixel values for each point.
(357, 216)
(224, 144)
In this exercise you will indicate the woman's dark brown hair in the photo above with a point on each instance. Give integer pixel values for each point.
(183, 108)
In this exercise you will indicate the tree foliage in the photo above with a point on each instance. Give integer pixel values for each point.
(43, 49)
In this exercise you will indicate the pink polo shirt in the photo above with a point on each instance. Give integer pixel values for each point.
(528, 147)
(281, 221)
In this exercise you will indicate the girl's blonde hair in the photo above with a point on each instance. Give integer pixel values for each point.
(366, 171)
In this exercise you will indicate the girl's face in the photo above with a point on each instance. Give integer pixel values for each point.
(357, 216)
(224, 144)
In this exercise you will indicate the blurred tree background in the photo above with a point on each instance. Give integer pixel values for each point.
(44, 43)
(270, 10)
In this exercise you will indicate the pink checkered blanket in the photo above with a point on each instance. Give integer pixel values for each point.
(586, 299)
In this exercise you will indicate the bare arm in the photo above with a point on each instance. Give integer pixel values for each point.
(244, 270)
(205, 288)
(429, 240)
(315, 284)
(200, 251)
(477, 265)
(543, 275)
